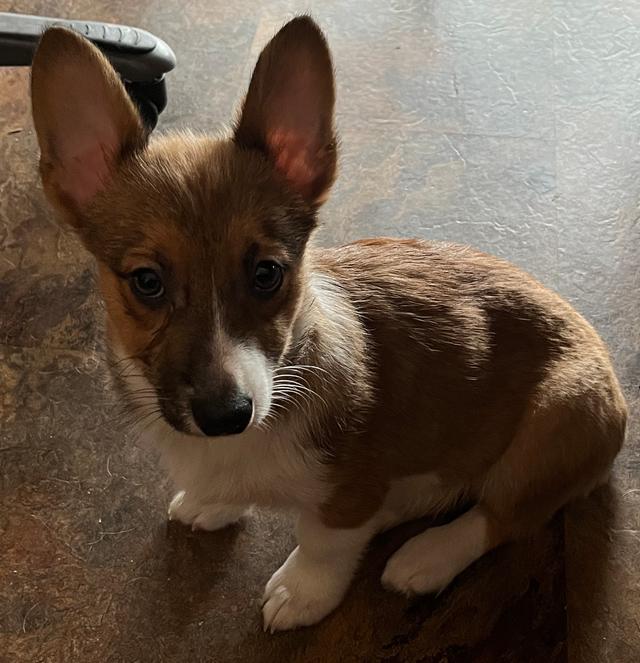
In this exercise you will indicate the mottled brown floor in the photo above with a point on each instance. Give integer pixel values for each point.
(508, 124)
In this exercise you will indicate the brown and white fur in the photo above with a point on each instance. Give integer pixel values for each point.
(374, 383)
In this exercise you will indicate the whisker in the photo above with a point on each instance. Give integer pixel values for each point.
(303, 368)
(141, 419)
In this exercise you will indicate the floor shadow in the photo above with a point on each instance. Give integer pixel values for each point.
(171, 589)
(588, 555)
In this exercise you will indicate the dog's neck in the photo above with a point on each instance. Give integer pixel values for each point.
(329, 348)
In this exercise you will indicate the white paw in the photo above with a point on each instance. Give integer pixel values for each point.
(301, 592)
(203, 516)
(425, 564)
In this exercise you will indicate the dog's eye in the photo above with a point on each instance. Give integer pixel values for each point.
(267, 277)
(147, 283)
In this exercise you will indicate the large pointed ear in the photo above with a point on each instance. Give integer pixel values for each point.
(288, 110)
(84, 119)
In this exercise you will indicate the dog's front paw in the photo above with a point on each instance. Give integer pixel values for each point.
(203, 516)
(301, 592)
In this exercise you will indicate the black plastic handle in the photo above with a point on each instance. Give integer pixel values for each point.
(137, 55)
(141, 59)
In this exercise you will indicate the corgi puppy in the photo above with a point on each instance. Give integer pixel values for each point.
(361, 386)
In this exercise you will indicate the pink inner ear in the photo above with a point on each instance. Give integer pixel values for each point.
(84, 173)
(293, 156)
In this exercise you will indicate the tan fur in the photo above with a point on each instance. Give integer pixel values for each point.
(497, 384)
(73, 90)
(408, 358)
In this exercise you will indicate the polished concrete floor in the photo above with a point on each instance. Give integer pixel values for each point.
(507, 124)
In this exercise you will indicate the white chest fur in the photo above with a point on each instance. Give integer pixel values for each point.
(256, 467)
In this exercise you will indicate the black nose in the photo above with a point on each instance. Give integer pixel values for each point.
(216, 416)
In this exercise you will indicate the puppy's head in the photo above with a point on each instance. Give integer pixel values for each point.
(199, 241)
